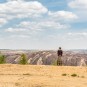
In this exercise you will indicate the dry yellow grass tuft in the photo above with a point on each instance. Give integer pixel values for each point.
(42, 76)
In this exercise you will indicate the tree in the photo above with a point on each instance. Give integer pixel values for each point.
(23, 59)
(2, 59)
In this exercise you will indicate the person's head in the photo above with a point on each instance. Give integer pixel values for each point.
(60, 48)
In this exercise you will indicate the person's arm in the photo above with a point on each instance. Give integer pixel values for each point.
(58, 52)
(62, 52)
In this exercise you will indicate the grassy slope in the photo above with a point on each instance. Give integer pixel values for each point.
(42, 76)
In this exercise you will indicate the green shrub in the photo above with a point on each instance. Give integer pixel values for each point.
(54, 63)
(2, 59)
(57, 62)
(74, 75)
(23, 59)
(27, 74)
(64, 74)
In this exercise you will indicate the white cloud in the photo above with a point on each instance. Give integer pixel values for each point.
(40, 31)
(2, 21)
(63, 15)
(21, 32)
(67, 37)
(20, 36)
(78, 4)
(78, 34)
(39, 26)
(80, 8)
(33, 28)
(15, 30)
(33, 9)
(21, 9)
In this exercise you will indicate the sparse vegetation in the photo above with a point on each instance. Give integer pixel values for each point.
(13, 75)
(27, 74)
(2, 59)
(74, 75)
(17, 84)
(54, 63)
(23, 59)
(64, 74)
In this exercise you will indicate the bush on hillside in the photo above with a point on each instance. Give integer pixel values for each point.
(2, 59)
(23, 59)
(74, 75)
(54, 63)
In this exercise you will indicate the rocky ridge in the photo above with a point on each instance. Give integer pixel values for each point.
(70, 57)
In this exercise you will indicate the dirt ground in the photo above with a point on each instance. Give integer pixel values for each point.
(42, 76)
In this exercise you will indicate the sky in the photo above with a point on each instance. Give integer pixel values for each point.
(43, 24)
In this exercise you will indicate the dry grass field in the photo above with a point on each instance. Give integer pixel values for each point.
(42, 76)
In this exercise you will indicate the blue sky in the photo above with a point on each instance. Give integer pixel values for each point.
(43, 24)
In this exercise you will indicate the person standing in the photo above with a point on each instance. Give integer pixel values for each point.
(59, 53)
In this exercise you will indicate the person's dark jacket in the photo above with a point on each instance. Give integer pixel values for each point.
(59, 52)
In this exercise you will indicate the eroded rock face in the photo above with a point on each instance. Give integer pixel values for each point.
(29, 61)
(70, 58)
(40, 62)
(82, 62)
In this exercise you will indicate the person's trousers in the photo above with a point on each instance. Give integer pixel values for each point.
(59, 61)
